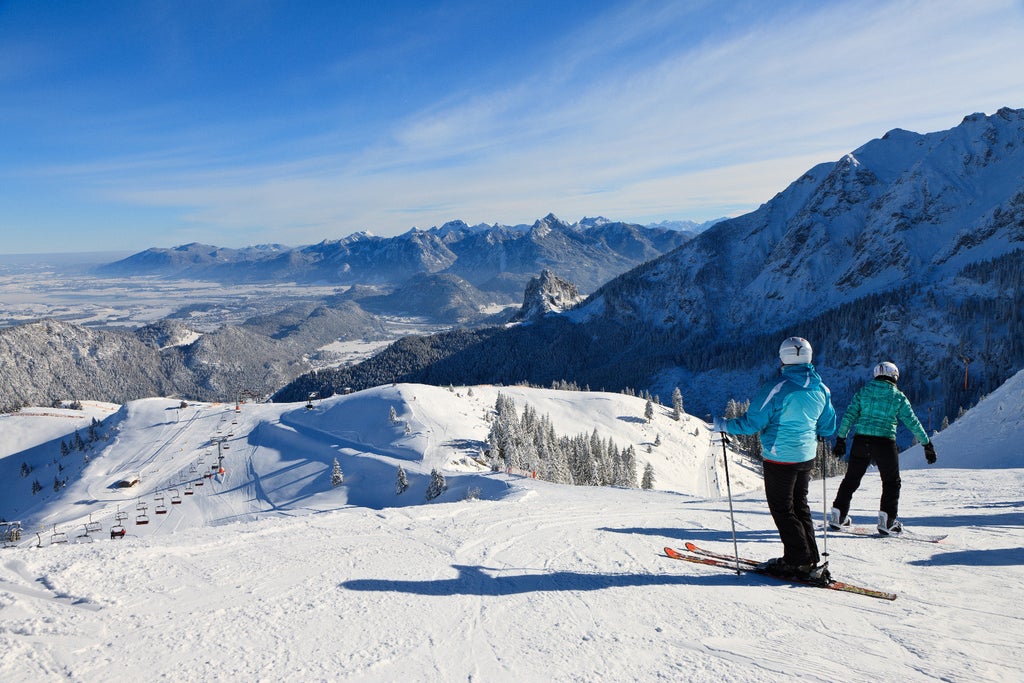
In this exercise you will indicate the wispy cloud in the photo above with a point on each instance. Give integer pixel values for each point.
(622, 121)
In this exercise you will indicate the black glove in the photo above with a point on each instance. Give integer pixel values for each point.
(839, 450)
(929, 452)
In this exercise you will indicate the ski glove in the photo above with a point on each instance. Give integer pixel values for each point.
(929, 452)
(720, 425)
(839, 450)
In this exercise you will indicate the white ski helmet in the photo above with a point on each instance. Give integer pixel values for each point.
(887, 369)
(795, 350)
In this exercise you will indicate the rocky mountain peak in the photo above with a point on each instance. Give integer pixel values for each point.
(546, 294)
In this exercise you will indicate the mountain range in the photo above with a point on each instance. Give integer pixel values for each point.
(907, 249)
(494, 258)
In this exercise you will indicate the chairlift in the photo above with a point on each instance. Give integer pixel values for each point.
(188, 489)
(160, 509)
(117, 531)
(192, 468)
(175, 497)
(92, 527)
(58, 536)
(120, 516)
(142, 518)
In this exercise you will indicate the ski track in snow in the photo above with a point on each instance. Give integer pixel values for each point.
(266, 573)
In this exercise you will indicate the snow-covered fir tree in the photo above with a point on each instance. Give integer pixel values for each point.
(677, 404)
(337, 477)
(401, 481)
(437, 484)
(647, 481)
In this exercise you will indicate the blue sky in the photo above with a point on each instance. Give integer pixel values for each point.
(126, 125)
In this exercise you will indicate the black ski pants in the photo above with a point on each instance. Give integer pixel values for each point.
(785, 488)
(864, 451)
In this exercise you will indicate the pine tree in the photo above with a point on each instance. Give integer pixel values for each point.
(401, 482)
(25, 470)
(393, 415)
(437, 485)
(36, 487)
(337, 477)
(647, 482)
(649, 410)
(677, 404)
(64, 449)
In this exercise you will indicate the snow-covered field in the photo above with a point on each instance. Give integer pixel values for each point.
(266, 572)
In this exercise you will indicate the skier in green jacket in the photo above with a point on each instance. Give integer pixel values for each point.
(875, 410)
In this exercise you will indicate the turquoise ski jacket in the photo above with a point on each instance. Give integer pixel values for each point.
(875, 409)
(790, 414)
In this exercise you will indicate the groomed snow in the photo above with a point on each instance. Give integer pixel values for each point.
(267, 573)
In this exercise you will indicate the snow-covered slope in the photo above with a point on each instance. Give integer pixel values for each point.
(278, 457)
(988, 436)
(269, 574)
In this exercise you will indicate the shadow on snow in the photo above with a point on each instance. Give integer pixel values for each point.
(477, 581)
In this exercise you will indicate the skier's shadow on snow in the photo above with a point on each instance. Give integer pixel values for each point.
(478, 581)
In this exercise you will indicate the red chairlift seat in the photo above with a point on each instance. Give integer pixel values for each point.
(161, 509)
(117, 531)
(142, 519)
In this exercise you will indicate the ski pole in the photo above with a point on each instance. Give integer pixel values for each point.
(824, 500)
(728, 490)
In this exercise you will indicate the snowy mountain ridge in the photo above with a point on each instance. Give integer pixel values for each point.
(491, 257)
(906, 208)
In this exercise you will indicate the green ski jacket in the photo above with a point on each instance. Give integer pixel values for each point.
(876, 407)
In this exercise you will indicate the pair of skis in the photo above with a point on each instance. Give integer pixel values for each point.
(698, 555)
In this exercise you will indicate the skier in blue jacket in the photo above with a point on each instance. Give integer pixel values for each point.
(790, 415)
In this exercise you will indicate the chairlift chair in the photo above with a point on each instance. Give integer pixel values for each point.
(188, 489)
(120, 516)
(160, 509)
(58, 536)
(117, 531)
(142, 518)
(175, 497)
(92, 527)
